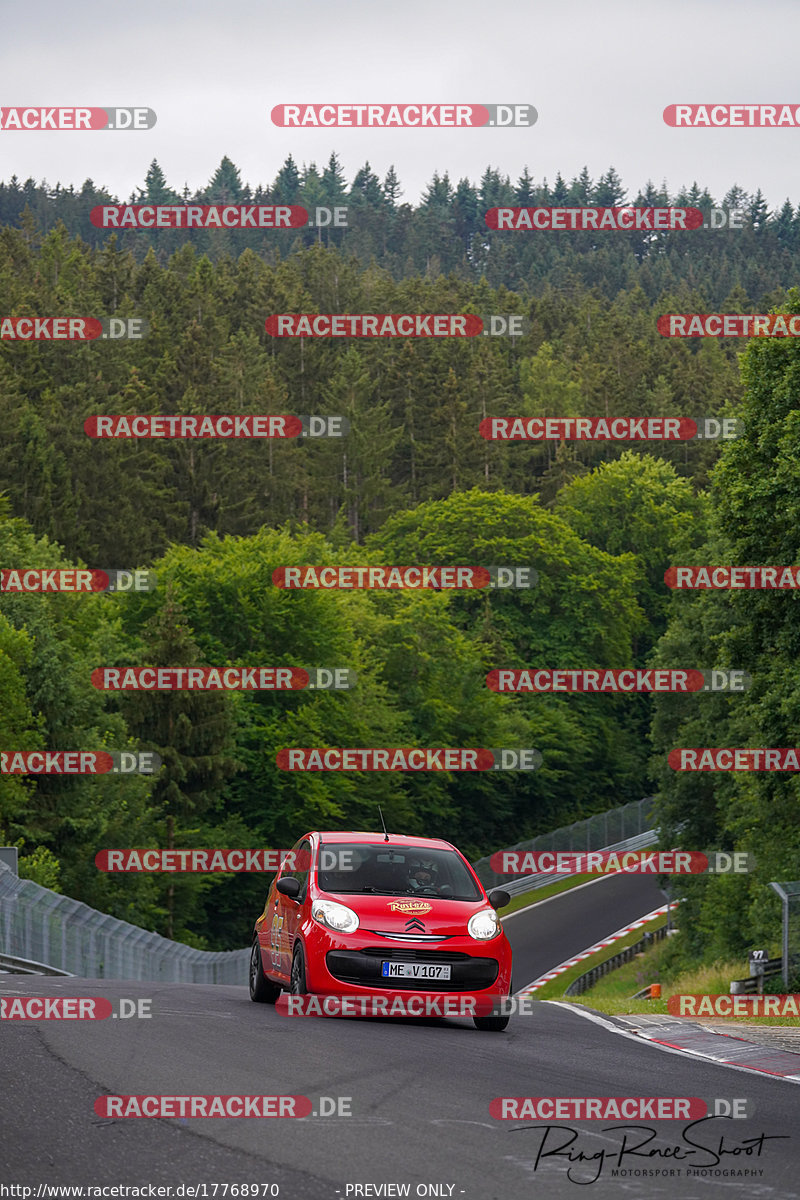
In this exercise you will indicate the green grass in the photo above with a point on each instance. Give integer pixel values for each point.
(551, 889)
(554, 990)
(612, 994)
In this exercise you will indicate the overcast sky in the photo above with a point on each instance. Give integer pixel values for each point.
(599, 72)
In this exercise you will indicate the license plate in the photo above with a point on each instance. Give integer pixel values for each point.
(401, 970)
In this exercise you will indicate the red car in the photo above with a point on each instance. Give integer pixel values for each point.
(368, 914)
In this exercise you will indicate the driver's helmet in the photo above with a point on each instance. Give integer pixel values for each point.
(421, 873)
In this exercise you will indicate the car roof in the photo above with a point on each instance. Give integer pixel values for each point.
(395, 839)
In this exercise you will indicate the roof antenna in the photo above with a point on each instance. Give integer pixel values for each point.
(383, 823)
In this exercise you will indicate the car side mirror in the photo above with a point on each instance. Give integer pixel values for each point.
(498, 899)
(289, 887)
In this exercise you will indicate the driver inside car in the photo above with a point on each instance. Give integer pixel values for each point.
(419, 877)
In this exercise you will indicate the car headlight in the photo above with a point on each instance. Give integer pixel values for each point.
(484, 925)
(336, 916)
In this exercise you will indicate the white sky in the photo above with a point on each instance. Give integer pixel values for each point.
(599, 72)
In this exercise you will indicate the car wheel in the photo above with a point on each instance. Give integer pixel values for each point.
(298, 977)
(491, 1024)
(262, 991)
(494, 1024)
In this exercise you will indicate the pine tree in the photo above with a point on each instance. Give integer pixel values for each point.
(286, 188)
(757, 211)
(334, 185)
(225, 185)
(467, 221)
(495, 191)
(581, 190)
(312, 191)
(610, 191)
(366, 453)
(736, 198)
(785, 223)
(366, 188)
(391, 188)
(438, 193)
(524, 192)
(156, 190)
(560, 193)
(114, 273)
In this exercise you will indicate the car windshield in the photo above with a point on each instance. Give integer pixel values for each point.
(385, 870)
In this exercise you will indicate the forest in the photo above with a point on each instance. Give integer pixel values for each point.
(413, 481)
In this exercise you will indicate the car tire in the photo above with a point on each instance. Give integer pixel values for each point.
(298, 977)
(491, 1024)
(494, 1024)
(262, 991)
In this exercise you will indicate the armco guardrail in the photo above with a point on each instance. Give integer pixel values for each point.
(590, 978)
(750, 986)
(11, 965)
(40, 925)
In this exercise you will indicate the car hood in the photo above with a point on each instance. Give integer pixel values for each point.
(405, 914)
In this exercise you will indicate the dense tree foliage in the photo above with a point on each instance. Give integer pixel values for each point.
(414, 405)
(413, 482)
(753, 521)
(446, 231)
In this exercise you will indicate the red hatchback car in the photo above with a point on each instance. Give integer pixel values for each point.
(369, 914)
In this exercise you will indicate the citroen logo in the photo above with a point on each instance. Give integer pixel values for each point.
(415, 923)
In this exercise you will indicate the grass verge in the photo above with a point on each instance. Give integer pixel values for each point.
(612, 994)
(525, 899)
(554, 990)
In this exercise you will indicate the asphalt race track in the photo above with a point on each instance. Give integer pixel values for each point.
(420, 1091)
(562, 926)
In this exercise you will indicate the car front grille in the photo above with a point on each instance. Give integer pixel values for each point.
(415, 955)
(363, 967)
